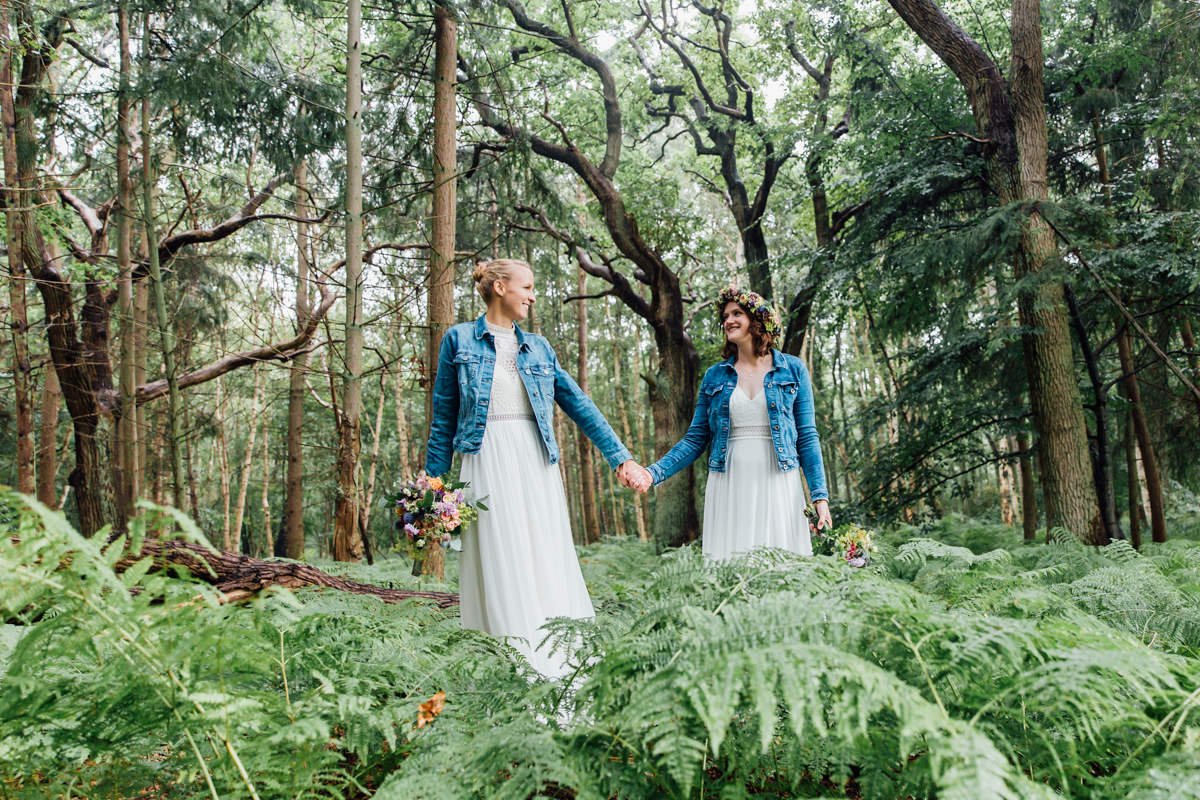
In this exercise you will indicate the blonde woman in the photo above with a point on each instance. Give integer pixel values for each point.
(493, 401)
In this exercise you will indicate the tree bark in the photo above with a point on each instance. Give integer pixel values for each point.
(591, 522)
(1153, 484)
(1136, 512)
(47, 453)
(290, 543)
(127, 430)
(1029, 506)
(13, 199)
(233, 539)
(376, 436)
(445, 204)
(223, 448)
(1102, 456)
(347, 542)
(266, 484)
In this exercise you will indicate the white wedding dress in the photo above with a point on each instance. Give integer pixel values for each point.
(518, 565)
(753, 503)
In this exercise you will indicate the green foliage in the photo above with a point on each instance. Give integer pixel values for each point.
(1002, 669)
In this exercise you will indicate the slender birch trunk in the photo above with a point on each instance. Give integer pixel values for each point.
(223, 450)
(247, 462)
(266, 485)
(347, 542)
(1136, 509)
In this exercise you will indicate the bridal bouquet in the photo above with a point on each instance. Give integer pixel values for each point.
(429, 510)
(851, 543)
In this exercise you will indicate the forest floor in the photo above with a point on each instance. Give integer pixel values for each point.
(963, 662)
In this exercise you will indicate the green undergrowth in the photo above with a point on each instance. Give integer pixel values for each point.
(964, 664)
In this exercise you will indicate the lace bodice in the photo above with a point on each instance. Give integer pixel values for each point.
(509, 400)
(748, 419)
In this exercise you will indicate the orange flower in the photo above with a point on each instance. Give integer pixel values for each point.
(431, 708)
(436, 484)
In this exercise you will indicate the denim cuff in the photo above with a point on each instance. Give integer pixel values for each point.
(657, 472)
(618, 458)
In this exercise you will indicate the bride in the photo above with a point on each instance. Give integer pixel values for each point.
(755, 415)
(493, 401)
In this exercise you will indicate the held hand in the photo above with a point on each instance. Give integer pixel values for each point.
(635, 477)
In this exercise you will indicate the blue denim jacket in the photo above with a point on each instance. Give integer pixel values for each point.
(793, 423)
(464, 386)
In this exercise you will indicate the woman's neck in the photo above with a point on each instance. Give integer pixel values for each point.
(496, 316)
(746, 355)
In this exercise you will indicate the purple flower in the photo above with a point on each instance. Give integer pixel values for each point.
(857, 562)
(412, 531)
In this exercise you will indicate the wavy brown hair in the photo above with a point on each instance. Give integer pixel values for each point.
(763, 341)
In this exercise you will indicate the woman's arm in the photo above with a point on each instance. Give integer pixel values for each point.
(584, 412)
(440, 448)
(689, 448)
(808, 442)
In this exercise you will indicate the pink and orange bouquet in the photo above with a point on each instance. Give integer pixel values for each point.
(429, 511)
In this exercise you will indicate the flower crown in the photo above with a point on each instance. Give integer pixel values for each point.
(756, 304)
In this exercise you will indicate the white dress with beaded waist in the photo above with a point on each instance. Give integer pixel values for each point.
(518, 566)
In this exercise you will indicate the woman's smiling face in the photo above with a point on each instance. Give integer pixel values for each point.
(736, 323)
(516, 295)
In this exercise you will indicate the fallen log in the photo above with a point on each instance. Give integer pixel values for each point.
(237, 576)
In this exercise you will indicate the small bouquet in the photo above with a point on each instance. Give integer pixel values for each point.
(429, 510)
(849, 542)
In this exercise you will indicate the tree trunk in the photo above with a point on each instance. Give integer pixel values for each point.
(591, 522)
(1136, 513)
(223, 448)
(141, 316)
(127, 430)
(234, 538)
(441, 254)
(1153, 485)
(21, 367)
(403, 458)
(291, 538)
(190, 463)
(1029, 507)
(47, 453)
(149, 179)
(376, 435)
(619, 388)
(266, 485)
(1016, 144)
(1102, 457)
(347, 542)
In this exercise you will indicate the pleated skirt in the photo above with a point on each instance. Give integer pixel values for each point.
(518, 566)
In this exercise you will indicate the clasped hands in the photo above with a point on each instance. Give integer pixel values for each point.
(633, 475)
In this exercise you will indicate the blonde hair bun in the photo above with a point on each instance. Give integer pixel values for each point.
(486, 273)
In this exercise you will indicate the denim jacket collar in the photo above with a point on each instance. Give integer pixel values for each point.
(481, 330)
(776, 360)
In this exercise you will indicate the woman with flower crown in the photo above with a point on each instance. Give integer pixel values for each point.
(755, 416)
(493, 401)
